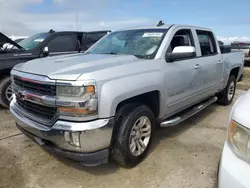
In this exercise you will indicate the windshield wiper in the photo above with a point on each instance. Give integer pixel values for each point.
(111, 53)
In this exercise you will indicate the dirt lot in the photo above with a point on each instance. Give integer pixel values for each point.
(186, 155)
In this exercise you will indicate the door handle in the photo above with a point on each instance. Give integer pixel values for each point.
(197, 66)
(219, 62)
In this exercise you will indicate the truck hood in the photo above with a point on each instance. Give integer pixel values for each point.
(4, 39)
(71, 67)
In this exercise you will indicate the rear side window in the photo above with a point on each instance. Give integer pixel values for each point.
(63, 43)
(92, 38)
(207, 43)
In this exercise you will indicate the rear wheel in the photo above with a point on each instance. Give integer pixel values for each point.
(5, 92)
(133, 138)
(225, 97)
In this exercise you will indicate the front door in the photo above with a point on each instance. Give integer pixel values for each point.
(183, 78)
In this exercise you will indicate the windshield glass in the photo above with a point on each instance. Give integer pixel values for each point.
(31, 42)
(140, 43)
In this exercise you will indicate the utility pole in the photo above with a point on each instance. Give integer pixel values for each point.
(76, 21)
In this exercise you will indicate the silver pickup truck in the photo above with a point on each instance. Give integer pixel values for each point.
(107, 102)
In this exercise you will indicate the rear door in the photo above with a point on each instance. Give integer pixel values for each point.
(63, 44)
(210, 60)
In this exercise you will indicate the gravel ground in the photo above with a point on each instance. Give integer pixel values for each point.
(186, 155)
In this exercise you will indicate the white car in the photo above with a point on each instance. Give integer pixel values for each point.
(234, 169)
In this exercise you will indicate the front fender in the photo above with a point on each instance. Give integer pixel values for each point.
(115, 91)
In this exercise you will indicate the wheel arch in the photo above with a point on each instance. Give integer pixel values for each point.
(132, 89)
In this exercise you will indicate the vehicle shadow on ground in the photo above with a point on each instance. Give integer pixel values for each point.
(174, 131)
(4, 110)
(103, 169)
(171, 132)
(11, 175)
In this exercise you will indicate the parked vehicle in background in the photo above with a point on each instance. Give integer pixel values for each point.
(245, 46)
(37, 46)
(9, 46)
(108, 101)
(234, 165)
(19, 40)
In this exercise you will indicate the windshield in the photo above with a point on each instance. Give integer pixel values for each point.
(140, 43)
(31, 42)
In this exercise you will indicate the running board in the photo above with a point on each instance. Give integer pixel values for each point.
(175, 119)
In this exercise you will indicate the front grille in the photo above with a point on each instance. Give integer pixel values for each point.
(36, 87)
(44, 112)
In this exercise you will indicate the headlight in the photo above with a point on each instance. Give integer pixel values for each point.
(75, 91)
(70, 91)
(76, 101)
(239, 140)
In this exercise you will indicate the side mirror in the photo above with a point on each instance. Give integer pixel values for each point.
(181, 53)
(45, 51)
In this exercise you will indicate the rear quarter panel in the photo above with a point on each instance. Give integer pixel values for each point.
(232, 60)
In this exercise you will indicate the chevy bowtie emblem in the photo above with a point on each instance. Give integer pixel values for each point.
(20, 95)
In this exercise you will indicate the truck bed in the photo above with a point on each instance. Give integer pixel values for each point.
(232, 60)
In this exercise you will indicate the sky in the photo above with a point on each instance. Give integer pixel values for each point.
(230, 19)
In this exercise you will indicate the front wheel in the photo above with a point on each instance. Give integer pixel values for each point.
(5, 92)
(133, 138)
(225, 97)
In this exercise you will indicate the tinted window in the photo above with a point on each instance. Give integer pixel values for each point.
(182, 37)
(33, 41)
(18, 40)
(63, 43)
(207, 43)
(92, 38)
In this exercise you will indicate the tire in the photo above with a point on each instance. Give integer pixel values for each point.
(5, 85)
(225, 97)
(125, 120)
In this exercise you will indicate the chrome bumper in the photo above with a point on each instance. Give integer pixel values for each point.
(93, 135)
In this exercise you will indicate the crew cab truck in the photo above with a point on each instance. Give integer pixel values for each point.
(39, 45)
(106, 103)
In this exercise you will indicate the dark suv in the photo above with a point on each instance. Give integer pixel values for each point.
(38, 46)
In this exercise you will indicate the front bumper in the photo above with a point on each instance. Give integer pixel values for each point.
(233, 172)
(94, 137)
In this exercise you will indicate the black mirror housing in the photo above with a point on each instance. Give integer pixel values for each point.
(171, 57)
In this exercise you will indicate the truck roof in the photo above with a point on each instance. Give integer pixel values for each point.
(166, 26)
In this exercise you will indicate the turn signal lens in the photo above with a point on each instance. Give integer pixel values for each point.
(232, 129)
(75, 111)
(90, 89)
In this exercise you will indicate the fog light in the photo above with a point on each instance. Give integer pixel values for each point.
(73, 138)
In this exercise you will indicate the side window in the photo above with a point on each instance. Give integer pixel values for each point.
(207, 43)
(92, 38)
(182, 37)
(63, 43)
